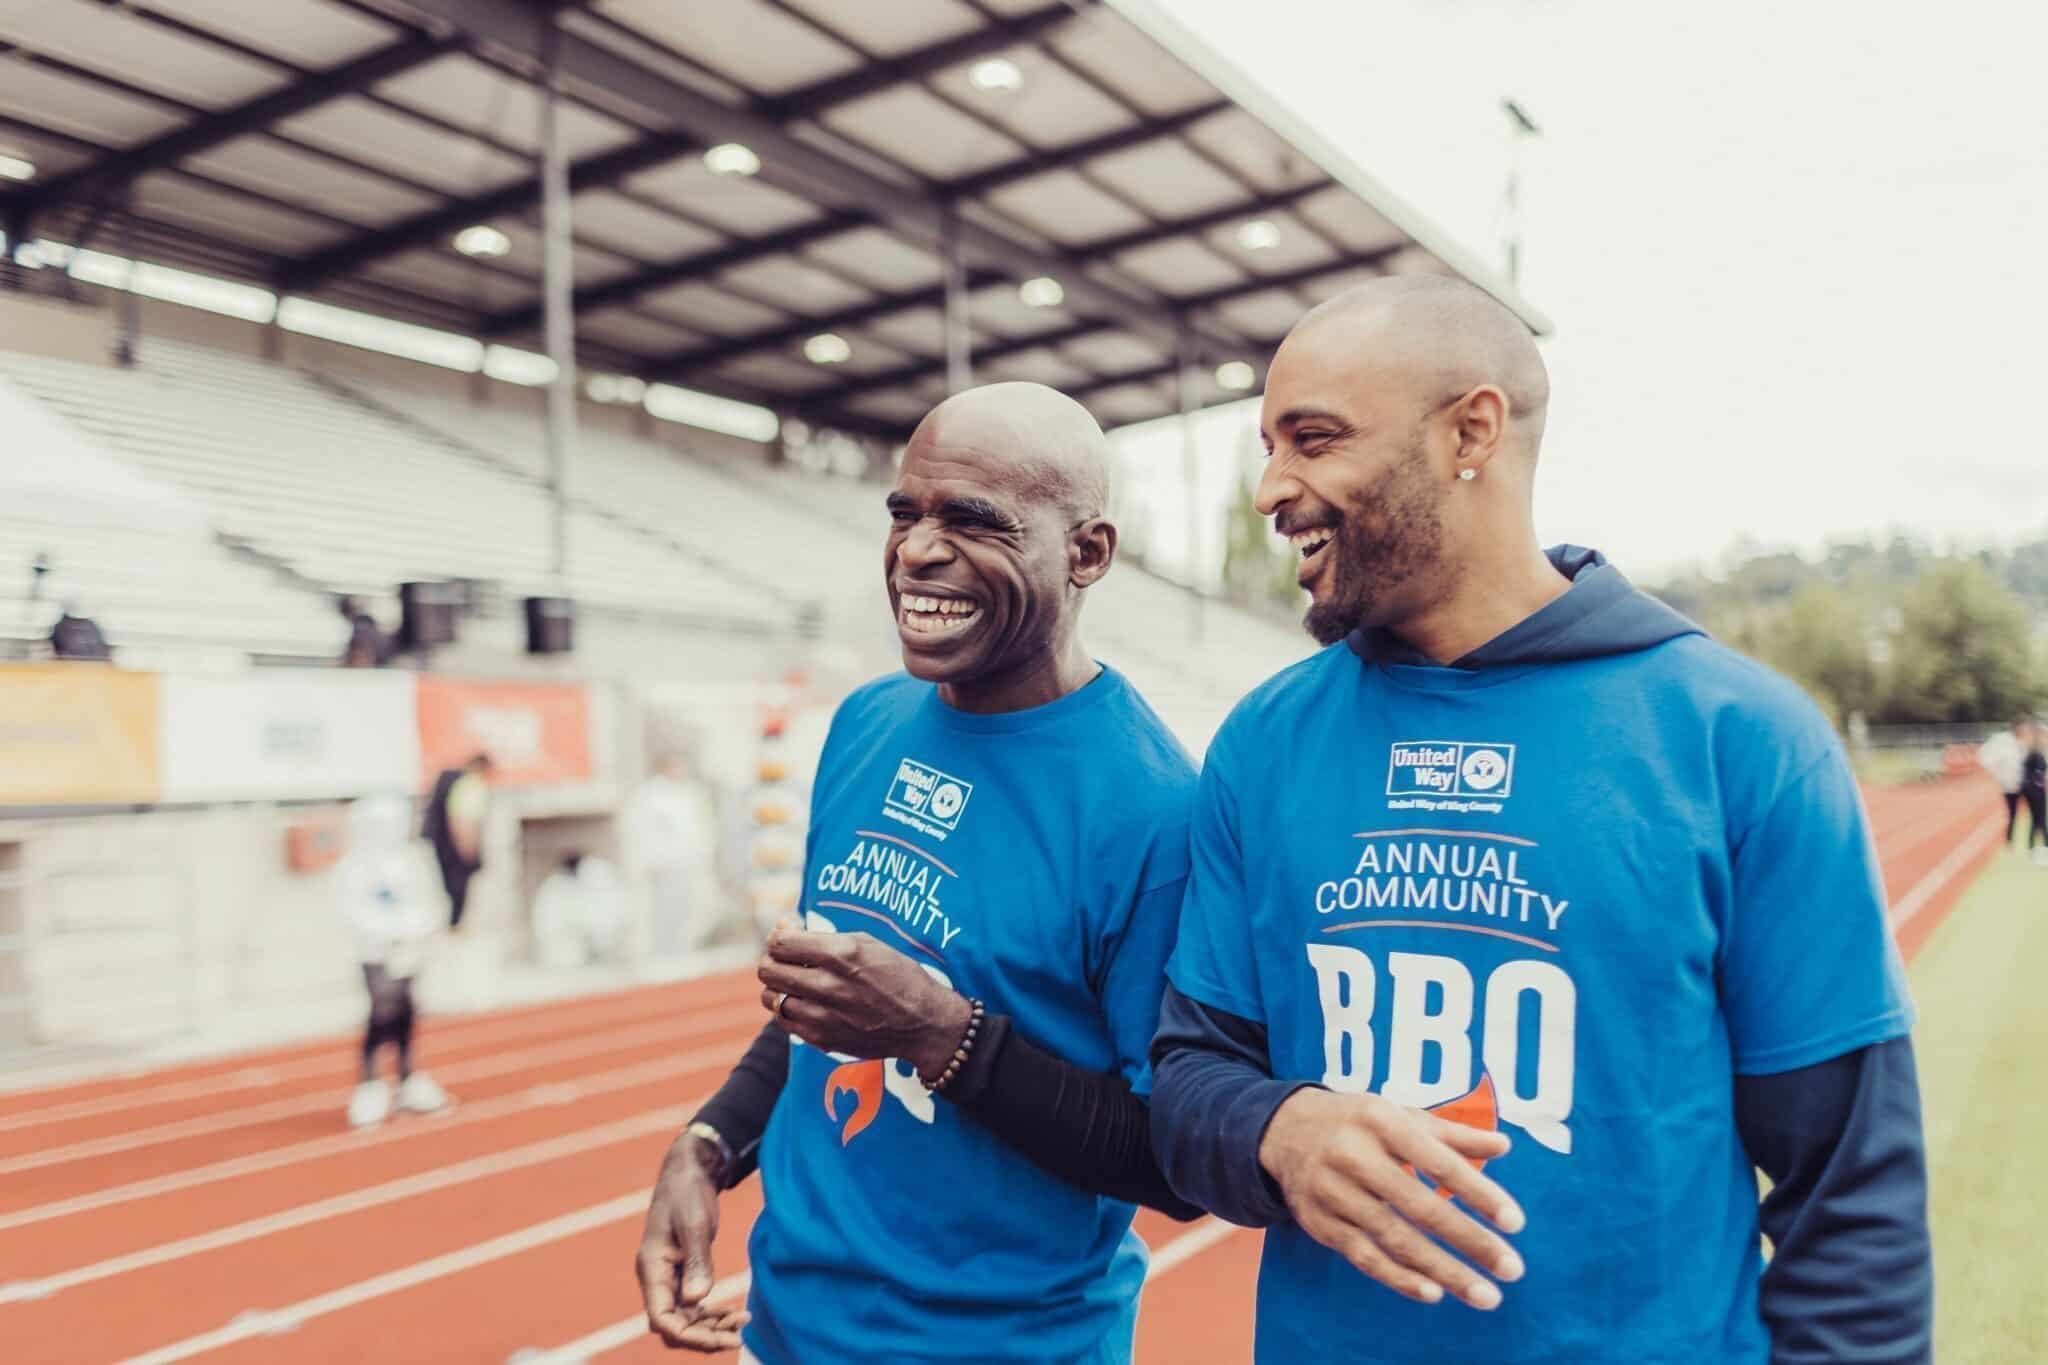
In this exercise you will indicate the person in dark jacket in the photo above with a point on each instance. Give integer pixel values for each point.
(79, 638)
(1523, 872)
(453, 823)
(2034, 787)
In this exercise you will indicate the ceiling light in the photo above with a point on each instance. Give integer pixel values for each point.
(731, 158)
(1236, 376)
(827, 348)
(1260, 234)
(615, 388)
(997, 75)
(482, 241)
(16, 168)
(1043, 292)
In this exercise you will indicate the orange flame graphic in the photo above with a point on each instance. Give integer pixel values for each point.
(1475, 1109)
(864, 1079)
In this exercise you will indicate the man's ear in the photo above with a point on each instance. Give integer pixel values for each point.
(1482, 417)
(1091, 549)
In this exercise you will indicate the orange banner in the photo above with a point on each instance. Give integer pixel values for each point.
(75, 734)
(534, 732)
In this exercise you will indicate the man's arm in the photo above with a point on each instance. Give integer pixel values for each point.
(1851, 1277)
(1258, 1151)
(1214, 1096)
(852, 994)
(1350, 1169)
(1826, 1101)
(715, 1152)
(740, 1111)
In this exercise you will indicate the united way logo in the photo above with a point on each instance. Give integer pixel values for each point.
(1451, 768)
(925, 798)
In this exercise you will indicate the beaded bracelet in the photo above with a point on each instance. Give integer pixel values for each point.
(959, 1053)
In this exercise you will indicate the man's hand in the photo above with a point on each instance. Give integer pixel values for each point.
(850, 994)
(674, 1263)
(1348, 1167)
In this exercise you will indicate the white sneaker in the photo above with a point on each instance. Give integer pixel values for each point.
(370, 1105)
(2041, 855)
(421, 1094)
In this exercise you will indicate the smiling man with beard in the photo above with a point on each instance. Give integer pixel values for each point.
(948, 1111)
(1523, 852)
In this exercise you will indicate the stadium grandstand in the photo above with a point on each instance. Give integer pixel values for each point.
(620, 308)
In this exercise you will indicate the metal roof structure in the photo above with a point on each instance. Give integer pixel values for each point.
(907, 155)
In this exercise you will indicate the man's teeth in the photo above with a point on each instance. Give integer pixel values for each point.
(1308, 542)
(934, 614)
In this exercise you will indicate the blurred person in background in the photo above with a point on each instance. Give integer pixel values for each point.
(671, 839)
(383, 894)
(453, 823)
(2002, 756)
(579, 913)
(2034, 786)
(78, 638)
(368, 646)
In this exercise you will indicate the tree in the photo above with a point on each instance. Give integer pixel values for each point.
(1821, 640)
(1962, 651)
(1258, 566)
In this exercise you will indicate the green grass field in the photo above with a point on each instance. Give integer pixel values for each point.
(1983, 1053)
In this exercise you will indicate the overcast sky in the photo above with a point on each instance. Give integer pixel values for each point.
(1796, 255)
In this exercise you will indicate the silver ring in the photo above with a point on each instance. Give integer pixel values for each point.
(781, 1000)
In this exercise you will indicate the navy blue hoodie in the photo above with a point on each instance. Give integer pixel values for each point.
(1601, 884)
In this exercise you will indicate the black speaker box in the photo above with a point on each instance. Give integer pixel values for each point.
(429, 612)
(550, 625)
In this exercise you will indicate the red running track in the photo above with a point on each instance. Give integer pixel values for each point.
(221, 1211)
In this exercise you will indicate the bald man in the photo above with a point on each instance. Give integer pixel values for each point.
(1525, 890)
(952, 1088)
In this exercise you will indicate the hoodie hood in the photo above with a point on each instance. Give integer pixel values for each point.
(1602, 613)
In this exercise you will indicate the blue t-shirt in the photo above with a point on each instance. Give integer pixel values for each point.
(1569, 900)
(1036, 859)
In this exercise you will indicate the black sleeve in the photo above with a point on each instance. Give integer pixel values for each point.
(1851, 1276)
(741, 1108)
(1213, 1095)
(1086, 1127)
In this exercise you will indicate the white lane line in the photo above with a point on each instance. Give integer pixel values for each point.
(285, 1319)
(1189, 1245)
(356, 1201)
(713, 1018)
(535, 1097)
(1182, 1249)
(1946, 871)
(453, 1036)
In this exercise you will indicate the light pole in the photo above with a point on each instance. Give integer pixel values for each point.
(1523, 129)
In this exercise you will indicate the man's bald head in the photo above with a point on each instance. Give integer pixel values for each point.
(997, 528)
(1051, 448)
(1403, 419)
(1449, 336)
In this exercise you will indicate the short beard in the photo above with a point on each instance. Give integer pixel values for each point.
(1393, 530)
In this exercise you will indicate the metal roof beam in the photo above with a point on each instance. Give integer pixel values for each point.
(907, 375)
(1074, 154)
(878, 74)
(691, 267)
(601, 171)
(202, 135)
(776, 337)
(438, 224)
(597, 296)
(704, 357)
(914, 208)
